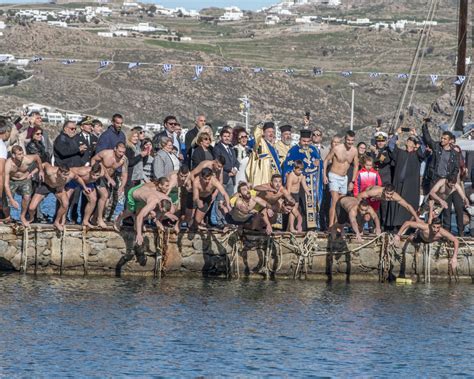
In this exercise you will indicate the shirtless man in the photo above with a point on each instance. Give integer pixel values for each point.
(18, 179)
(428, 233)
(355, 212)
(112, 160)
(89, 176)
(245, 212)
(387, 193)
(294, 181)
(55, 178)
(205, 188)
(274, 191)
(341, 157)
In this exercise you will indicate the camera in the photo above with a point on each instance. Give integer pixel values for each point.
(405, 129)
(307, 114)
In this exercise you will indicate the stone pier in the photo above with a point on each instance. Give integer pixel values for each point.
(42, 250)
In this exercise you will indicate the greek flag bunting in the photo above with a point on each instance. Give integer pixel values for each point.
(317, 71)
(132, 65)
(460, 80)
(198, 71)
(69, 61)
(434, 79)
(346, 74)
(403, 76)
(36, 59)
(228, 69)
(374, 75)
(257, 70)
(289, 71)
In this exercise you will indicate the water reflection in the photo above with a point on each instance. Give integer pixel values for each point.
(52, 326)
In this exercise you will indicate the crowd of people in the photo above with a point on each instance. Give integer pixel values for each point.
(395, 183)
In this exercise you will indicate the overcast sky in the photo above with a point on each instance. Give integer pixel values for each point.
(190, 4)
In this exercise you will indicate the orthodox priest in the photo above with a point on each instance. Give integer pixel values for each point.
(264, 161)
(284, 145)
(313, 172)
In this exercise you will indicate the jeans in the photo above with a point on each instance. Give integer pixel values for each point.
(216, 216)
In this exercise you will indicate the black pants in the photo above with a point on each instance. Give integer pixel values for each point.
(456, 200)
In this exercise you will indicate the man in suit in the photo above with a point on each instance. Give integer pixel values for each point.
(231, 167)
(188, 139)
(169, 124)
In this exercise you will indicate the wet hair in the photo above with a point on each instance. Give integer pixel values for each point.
(119, 144)
(299, 164)
(206, 173)
(16, 149)
(276, 176)
(183, 170)
(165, 205)
(116, 116)
(168, 118)
(350, 133)
(436, 221)
(241, 185)
(221, 160)
(452, 178)
(96, 168)
(389, 188)
(63, 168)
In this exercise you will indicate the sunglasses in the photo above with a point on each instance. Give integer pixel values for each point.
(173, 123)
(316, 135)
(38, 134)
(206, 139)
(242, 137)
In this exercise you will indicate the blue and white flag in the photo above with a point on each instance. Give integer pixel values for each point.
(132, 65)
(460, 80)
(434, 79)
(36, 59)
(103, 64)
(346, 74)
(403, 76)
(317, 71)
(257, 70)
(69, 61)
(374, 75)
(228, 69)
(198, 71)
(167, 68)
(289, 71)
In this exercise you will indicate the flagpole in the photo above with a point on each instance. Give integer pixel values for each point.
(461, 64)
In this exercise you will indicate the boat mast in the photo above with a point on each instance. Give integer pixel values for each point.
(461, 66)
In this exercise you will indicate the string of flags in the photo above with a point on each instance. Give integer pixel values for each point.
(166, 68)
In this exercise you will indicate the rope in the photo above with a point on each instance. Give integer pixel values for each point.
(158, 254)
(36, 250)
(24, 251)
(85, 253)
(164, 251)
(62, 251)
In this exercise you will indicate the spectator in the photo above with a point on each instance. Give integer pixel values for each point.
(97, 128)
(135, 156)
(367, 177)
(163, 162)
(203, 151)
(36, 145)
(5, 131)
(113, 135)
(147, 160)
(192, 134)
(67, 150)
(242, 152)
(169, 124)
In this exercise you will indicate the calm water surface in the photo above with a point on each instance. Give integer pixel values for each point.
(56, 327)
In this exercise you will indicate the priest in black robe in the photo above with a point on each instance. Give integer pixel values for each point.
(406, 178)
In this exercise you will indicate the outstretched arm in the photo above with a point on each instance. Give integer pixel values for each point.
(433, 193)
(405, 205)
(446, 235)
(139, 220)
(354, 224)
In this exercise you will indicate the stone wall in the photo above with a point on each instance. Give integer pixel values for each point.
(106, 252)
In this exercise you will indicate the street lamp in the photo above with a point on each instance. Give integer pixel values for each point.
(353, 86)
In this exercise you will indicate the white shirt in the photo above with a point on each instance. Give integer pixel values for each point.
(3, 150)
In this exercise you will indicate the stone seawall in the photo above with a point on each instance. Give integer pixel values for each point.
(42, 250)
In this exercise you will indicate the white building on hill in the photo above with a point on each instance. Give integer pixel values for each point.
(232, 14)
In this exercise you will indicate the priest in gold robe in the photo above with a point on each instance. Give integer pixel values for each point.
(283, 146)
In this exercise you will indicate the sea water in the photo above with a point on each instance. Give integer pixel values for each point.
(181, 327)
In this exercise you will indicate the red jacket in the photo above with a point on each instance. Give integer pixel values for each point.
(366, 179)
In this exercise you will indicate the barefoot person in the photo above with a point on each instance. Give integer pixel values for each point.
(18, 176)
(428, 233)
(250, 211)
(295, 180)
(387, 193)
(88, 176)
(205, 188)
(55, 178)
(354, 212)
(341, 157)
(113, 161)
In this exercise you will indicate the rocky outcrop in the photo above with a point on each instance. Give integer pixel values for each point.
(42, 250)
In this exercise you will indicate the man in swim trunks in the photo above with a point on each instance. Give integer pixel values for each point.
(387, 193)
(87, 178)
(250, 211)
(55, 179)
(274, 192)
(18, 174)
(354, 212)
(341, 158)
(113, 161)
(428, 233)
(205, 188)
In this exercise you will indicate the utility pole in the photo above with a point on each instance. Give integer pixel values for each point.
(245, 111)
(461, 64)
(353, 86)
